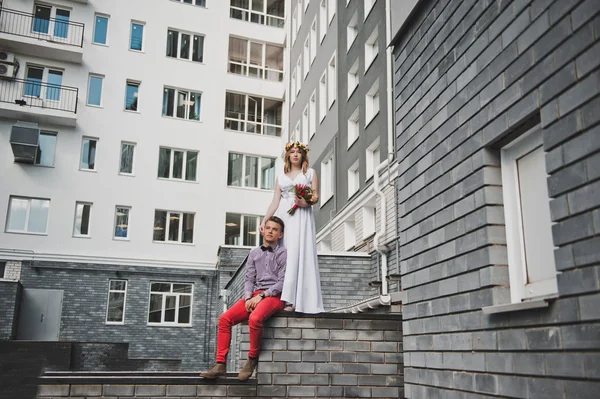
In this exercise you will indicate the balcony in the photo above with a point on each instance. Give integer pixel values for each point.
(35, 101)
(52, 38)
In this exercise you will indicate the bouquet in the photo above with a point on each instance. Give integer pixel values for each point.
(302, 191)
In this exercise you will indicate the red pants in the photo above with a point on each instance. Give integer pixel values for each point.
(237, 314)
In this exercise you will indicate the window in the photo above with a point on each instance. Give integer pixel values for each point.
(372, 103)
(352, 31)
(312, 113)
(46, 149)
(306, 57)
(368, 7)
(200, 3)
(95, 90)
(27, 215)
(352, 78)
(531, 265)
(264, 12)
(331, 7)
(170, 304)
(323, 23)
(126, 162)
(115, 310)
(122, 222)
(100, 29)
(300, 13)
(82, 219)
(369, 219)
(294, 25)
(88, 154)
(349, 234)
(296, 135)
(242, 230)
(185, 46)
(252, 114)
(173, 226)
(131, 95)
(313, 41)
(35, 88)
(373, 154)
(181, 104)
(136, 42)
(353, 127)
(293, 91)
(327, 173)
(299, 75)
(51, 21)
(251, 171)
(177, 164)
(306, 4)
(371, 48)
(331, 82)
(353, 179)
(323, 97)
(305, 125)
(255, 59)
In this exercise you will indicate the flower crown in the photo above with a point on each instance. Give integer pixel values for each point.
(298, 145)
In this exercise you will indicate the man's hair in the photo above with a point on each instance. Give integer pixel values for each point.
(278, 221)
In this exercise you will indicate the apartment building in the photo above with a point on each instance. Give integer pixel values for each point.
(138, 137)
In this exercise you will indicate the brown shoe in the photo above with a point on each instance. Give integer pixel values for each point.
(217, 371)
(248, 369)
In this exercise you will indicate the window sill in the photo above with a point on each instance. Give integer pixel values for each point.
(350, 93)
(130, 111)
(25, 233)
(127, 174)
(114, 324)
(42, 166)
(516, 307)
(331, 105)
(351, 143)
(94, 106)
(185, 244)
(100, 44)
(325, 201)
(178, 180)
(169, 325)
(76, 236)
(371, 120)
(255, 189)
(137, 51)
(126, 239)
(88, 170)
(181, 119)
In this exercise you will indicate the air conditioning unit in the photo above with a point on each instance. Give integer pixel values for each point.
(7, 71)
(6, 57)
(24, 140)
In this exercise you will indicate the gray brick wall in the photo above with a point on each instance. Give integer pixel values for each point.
(10, 297)
(85, 288)
(466, 73)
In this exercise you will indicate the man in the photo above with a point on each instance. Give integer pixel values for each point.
(265, 269)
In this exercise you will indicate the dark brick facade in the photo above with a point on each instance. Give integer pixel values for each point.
(10, 295)
(467, 74)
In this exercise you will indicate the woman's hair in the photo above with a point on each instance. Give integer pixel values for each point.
(287, 163)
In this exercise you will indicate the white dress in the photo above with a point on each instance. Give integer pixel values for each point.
(302, 283)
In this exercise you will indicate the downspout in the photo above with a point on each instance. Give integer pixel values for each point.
(389, 56)
(334, 185)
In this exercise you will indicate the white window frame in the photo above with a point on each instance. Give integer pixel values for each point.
(39, 164)
(259, 167)
(95, 168)
(349, 234)
(353, 78)
(143, 24)
(371, 48)
(262, 124)
(52, 22)
(194, 4)
(27, 215)
(373, 157)
(515, 235)
(299, 75)
(353, 179)
(137, 83)
(306, 57)
(96, 15)
(300, 14)
(188, 101)
(134, 145)
(353, 127)
(327, 179)
(119, 208)
(312, 114)
(294, 25)
(331, 82)
(82, 204)
(368, 7)
(45, 88)
(242, 226)
(369, 220)
(313, 41)
(178, 296)
(193, 36)
(293, 91)
(323, 97)
(306, 3)
(296, 135)
(110, 291)
(323, 23)
(351, 31)
(247, 64)
(331, 9)
(372, 103)
(87, 101)
(305, 123)
(268, 19)
(180, 227)
(183, 167)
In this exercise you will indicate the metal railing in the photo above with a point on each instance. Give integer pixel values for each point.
(33, 93)
(56, 30)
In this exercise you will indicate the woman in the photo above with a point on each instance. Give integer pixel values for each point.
(302, 283)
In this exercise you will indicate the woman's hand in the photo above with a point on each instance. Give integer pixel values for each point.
(262, 227)
(301, 202)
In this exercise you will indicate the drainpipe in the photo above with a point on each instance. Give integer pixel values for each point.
(391, 141)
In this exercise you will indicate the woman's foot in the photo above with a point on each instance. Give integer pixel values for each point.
(289, 308)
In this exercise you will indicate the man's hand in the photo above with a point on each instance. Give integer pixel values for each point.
(251, 304)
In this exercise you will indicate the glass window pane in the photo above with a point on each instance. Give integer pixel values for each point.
(250, 228)
(174, 219)
(38, 216)
(122, 222)
(160, 225)
(198, 48)
(155, 308)
(238, 54)
(126, 164)
(182, 288)
(194, 106)
(275, 8)
(232, 229)
(160, 287)
(235, 111)
(168, 102)
(137, 36)
(188, 228)
(182, 101)
(185, 46)
(116, 306)
(95, 90)
(41, 22)
(88, 155)
(33, 87)
(267, 173)
(100, 30)
(251, 177)
(170, 302)
(185, 307)
(201, 3)
(131, 96)
(61, 23)
(191, 165)
(234, 170)
(54, 85)
(164, 163)
(82, 219)
(172, 41)
(46, 149)
(118, 285)
(17, 214)
(177, 164)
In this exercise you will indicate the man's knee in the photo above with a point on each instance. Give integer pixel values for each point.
(225, 320)
(255, 321)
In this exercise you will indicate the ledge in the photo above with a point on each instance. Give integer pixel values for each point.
(515, 307)
(138, 378)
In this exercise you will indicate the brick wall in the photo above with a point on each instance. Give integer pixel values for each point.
(10, 298)
(467, 73)
(12, 270)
